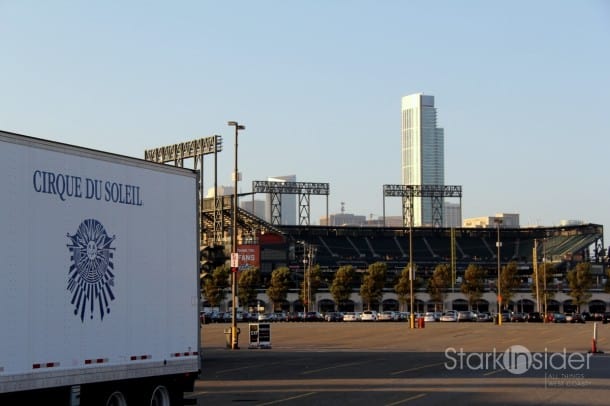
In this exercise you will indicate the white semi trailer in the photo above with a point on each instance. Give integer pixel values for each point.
(99, 277)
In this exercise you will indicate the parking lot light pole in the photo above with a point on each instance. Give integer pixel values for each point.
(411, 271)
(234, 260)
(498, 221)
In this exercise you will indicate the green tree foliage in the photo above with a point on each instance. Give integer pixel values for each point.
(509, 281)
(545, 279)
(474, 283)
(315, 281)
(279, 285)
(249, 280)
(440, 283)
(403, 286)
(215, 285)
(580, 281)
(373, 282)
(341, 288)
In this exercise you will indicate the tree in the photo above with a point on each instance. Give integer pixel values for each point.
(249, 280)
(579, 281)
(373, 282)
(473, 284)
(403, 285)
(279, 285)
(509, 281)
(439, 283)
(341, 288)
(315, 281)
(545, 278)
(214, 286)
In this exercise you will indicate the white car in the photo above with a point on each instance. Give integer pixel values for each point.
(387, 316)
(369, 315)
(449, 316)
(350, 316)
(430, 317)
(265, 317)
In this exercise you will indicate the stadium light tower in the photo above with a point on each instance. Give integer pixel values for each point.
(234, 255)
(498, 222)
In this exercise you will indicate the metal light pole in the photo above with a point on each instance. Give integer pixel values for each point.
(498, 221)
(544, 278)
(535, 264)
(411, 271)
(305, 279)
(234, 256)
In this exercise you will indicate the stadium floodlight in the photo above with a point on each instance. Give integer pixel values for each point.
(234, 255)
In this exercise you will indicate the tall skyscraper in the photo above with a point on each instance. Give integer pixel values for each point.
(423, 151)
(288, 203)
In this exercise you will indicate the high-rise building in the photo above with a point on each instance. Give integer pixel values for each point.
(288, 203)
(423, 151)
(452, 216)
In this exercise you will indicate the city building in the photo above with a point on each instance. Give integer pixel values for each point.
(256, 207)
(288, 203)
(452, 215)
(343, 219)
(423, 156)
(508, 221)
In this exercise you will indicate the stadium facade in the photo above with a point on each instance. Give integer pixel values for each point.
(563, 247)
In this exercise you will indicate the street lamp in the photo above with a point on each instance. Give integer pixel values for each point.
(234, 256)
(498, 221)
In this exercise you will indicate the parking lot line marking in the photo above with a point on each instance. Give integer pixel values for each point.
(287, 399)
(224, 371)
(418, 368)
(313, 371)
(421, 395)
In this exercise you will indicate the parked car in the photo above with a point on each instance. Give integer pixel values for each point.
(575, 318)
(265, 317)
(430, 317)
(483, 317)
(351, 316)
(534, 317)
(293, 316)
(333, 316)
(313, 316)
(606, 318)
(465, 315)
(280, 316)
(369, 315)
(449, 316)
(387, 316)
(559, 318)
(517, 318)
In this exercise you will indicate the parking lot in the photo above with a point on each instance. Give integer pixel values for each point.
(391, 364)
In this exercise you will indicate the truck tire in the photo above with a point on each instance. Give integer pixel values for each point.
(160, 396)
(116, 398)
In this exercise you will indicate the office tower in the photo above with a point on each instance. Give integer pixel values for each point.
(423, 156)
(288, 202)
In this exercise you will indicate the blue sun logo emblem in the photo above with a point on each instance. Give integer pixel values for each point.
(90, 279)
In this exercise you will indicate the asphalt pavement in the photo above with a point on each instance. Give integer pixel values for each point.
(391, 364)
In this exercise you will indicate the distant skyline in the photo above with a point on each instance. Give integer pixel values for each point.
(522, 91)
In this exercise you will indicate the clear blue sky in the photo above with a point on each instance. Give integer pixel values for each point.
(522, 90)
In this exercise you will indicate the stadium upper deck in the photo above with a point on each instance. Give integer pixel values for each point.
(361, 246)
